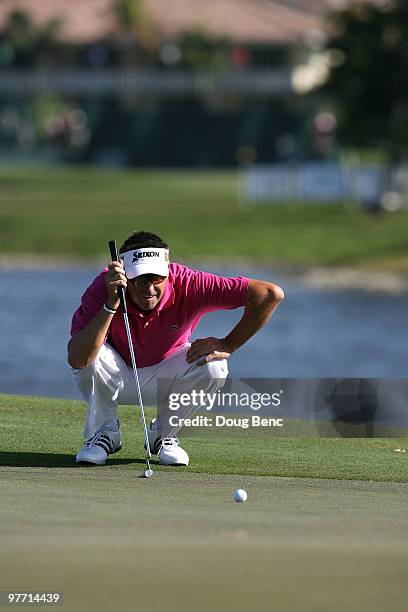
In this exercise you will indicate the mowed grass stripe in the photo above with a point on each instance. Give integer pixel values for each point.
(47, 432)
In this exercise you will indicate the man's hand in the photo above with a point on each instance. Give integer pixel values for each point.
(210, 349)
(113, 278)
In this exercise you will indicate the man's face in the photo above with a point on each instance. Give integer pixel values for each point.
(146, 290)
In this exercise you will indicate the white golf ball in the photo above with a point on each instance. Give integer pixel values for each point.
(240, 495)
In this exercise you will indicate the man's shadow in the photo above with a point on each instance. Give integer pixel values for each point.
(55, 460)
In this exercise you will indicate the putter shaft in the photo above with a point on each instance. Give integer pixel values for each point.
(142, 412)
(121, 293)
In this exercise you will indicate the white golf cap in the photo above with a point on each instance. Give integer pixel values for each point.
(147, 260)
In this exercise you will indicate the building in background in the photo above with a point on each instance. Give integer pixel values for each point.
(159, 83)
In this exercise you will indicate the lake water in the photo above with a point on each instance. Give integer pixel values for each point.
(312, 334)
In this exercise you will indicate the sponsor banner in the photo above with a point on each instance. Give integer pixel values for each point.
(326, 181)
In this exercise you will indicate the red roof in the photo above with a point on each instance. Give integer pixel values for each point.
(268, 21)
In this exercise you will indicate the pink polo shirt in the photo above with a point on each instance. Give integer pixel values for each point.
(189, 295)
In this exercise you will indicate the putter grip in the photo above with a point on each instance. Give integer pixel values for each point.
(115, 257)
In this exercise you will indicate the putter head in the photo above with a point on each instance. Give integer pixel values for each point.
(148, 472)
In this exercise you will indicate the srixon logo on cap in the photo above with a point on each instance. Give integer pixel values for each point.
(137, 256)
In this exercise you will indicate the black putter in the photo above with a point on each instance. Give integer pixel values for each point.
(121, 293)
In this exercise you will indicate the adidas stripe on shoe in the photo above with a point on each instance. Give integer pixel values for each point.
(104, 442)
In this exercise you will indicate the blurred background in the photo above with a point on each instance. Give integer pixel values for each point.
(267, 138)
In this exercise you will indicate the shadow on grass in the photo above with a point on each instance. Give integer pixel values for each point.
(54, 460)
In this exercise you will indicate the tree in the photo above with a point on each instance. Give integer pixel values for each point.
(25, 42)
(133, 21)
(202, 51)
(367, 83)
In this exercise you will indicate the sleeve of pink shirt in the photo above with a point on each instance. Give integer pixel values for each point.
(214, 292)
(92, 301)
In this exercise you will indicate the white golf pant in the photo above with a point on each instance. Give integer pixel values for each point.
(109, 381)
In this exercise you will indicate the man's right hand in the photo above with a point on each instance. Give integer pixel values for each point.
(84, 346)
(114, 278)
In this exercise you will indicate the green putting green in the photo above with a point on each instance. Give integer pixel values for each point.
(322, 539)
(46, 432)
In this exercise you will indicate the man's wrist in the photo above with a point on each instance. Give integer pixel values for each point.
(107, 308)
(112, 304)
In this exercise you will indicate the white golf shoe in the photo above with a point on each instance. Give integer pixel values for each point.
(168, 450)
(104, 442)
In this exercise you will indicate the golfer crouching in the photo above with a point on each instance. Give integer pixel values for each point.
(165, 302)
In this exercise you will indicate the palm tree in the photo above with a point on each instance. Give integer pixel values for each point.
(136, 32)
